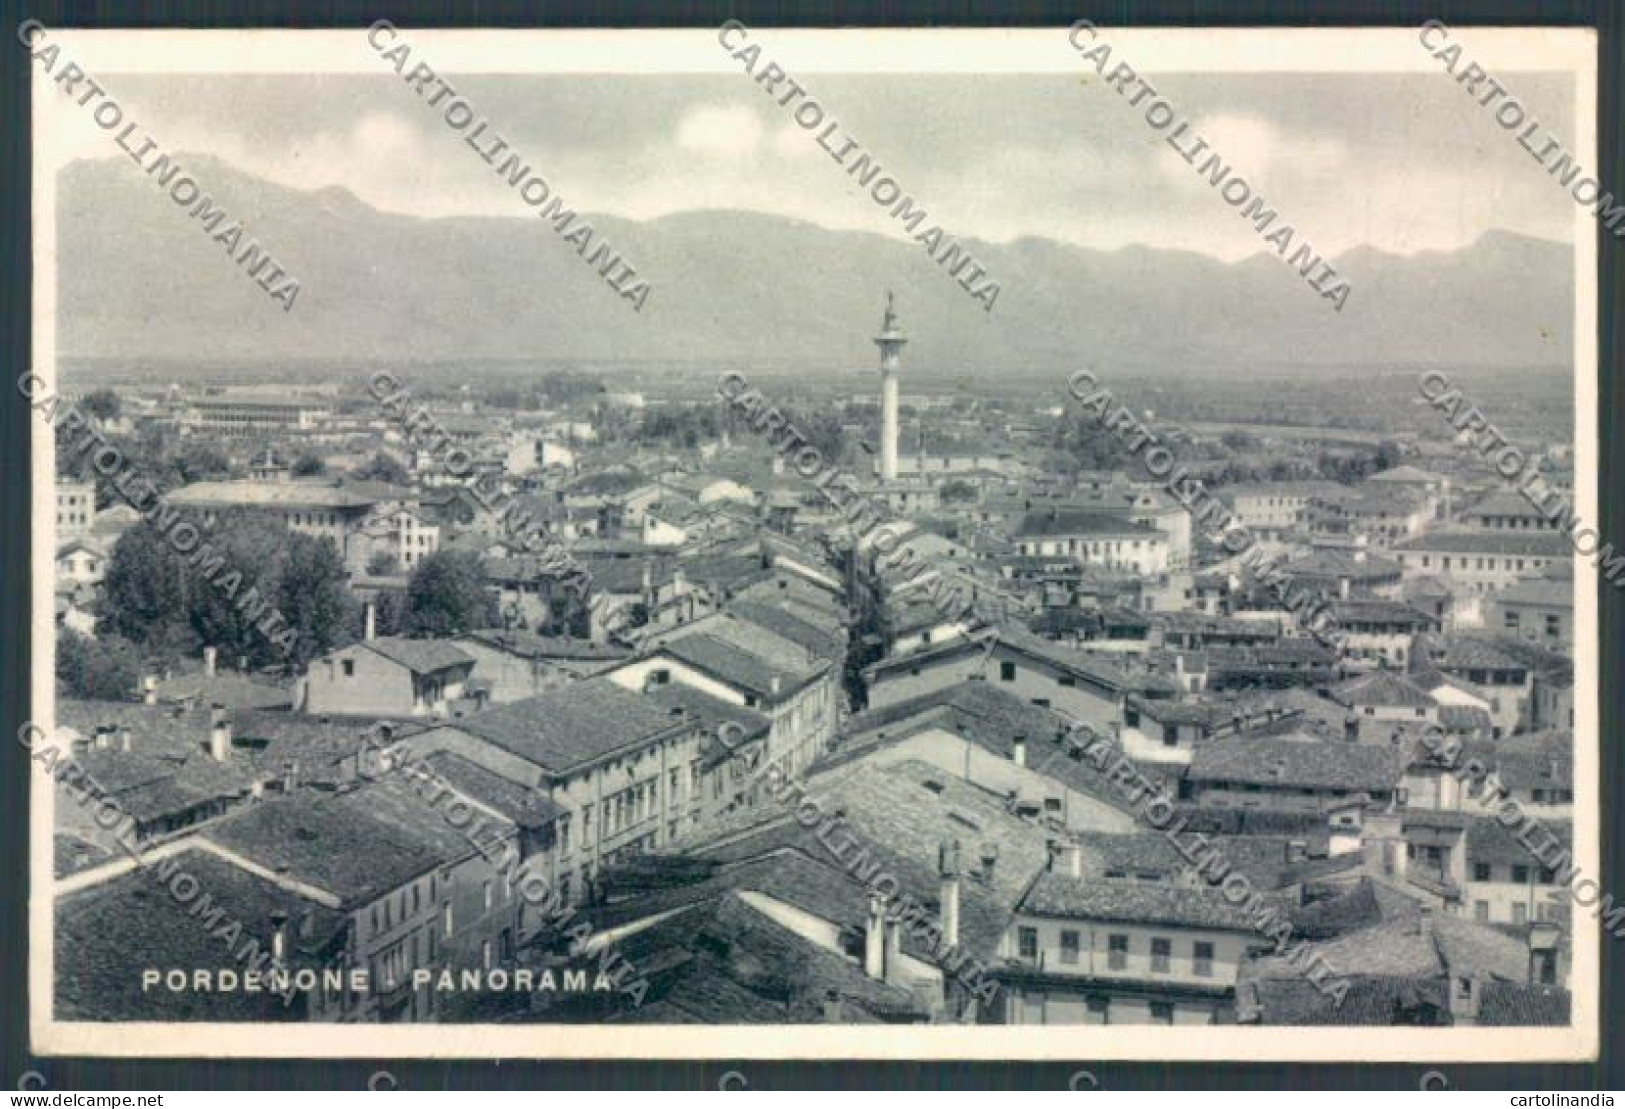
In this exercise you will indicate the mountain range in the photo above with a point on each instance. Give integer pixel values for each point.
(140, 278)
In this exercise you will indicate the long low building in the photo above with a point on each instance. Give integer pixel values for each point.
(1482, 561)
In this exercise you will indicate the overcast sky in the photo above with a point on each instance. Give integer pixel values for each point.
(1399, 162)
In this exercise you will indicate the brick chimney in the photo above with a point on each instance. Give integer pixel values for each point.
(219, 733)
(1543, 937)
(1465, 994)
(149, 689)
(990, 859)
(833, 1012)
(1068, 859)
(948, 873)
(209, 657)
(1018, 750)
(370, 617)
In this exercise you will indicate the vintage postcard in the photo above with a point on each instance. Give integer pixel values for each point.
(705, 543)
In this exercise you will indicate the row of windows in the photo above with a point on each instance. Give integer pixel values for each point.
(1520, 913)
(1117, 945)
(400, 906)
(1507, 564)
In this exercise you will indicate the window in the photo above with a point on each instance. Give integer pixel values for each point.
(1481, 911)
(1116, 952)
(1520, 913)
(1027, 942)
(486, 893)
(1069, 947)
(1162, 1012)
(448, 920)
(1520, 874)
(1007, 671)
(1099, 1010)
(1160, 951)
(1202, 960)
(1481, 872)
(349, 668)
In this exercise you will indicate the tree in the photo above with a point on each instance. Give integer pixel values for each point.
(201, 461)
(96, 669)
(313, 597)
(447, 595)
(171, 603)
(308, 465)
(102, 404)
(145, 591)
(383, 468)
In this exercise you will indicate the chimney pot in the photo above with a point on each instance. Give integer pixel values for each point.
(219, 733)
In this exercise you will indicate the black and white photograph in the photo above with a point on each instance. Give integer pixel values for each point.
(773, 543)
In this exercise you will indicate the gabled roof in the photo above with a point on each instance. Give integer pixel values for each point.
(1293, 764)
(1119, 901)
(1490, 841)
(1383, 688)
(577, 724)
(421, 656)
(105, 931)
(356, 845)
(1533, 544)
(1071, 521)
(1538, 591)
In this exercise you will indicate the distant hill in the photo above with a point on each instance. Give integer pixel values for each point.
(140, 278)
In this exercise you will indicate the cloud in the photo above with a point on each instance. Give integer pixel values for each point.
(1254, 146)
(720, 131)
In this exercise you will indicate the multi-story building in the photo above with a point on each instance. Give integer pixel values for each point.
(1115, 951)
(1378, 632)
(1482, 561)
(415, 890)
(745, 663)
(1540, 610)
(1106, 540)
(1381, 515)
(1270, 510)
(1294, 773)
(75, 508)
(242, 413)
(1505, 883)
(1080, 687)
(1508, 510)
(626, 772)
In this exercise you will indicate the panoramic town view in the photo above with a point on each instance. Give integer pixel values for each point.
(1085, 633)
